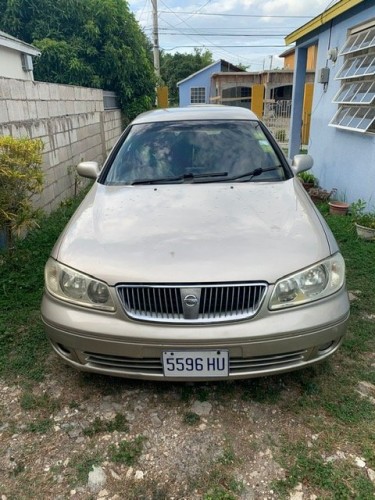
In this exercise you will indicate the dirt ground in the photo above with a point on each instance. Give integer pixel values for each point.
(61, 438)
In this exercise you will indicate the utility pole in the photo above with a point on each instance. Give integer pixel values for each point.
(155, 37)
(271, 61)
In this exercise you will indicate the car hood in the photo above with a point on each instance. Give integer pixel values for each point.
(193, 233)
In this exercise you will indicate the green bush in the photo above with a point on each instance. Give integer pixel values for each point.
(21, 177)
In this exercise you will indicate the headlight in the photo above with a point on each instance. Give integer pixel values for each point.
(313, 283)
(73, 286)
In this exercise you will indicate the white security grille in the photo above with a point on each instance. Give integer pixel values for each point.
(356, 96)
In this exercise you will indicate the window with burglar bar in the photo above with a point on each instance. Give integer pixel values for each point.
(197, 95)
(356, 96)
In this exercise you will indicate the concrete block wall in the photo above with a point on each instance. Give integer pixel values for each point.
(112, 124)
(72, 124)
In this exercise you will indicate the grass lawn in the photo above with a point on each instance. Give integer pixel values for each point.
(23, 345)
(323, 399)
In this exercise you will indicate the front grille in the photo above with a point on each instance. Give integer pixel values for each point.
(192, 303)
(237, 366)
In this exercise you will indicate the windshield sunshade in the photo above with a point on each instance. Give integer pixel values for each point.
(175, 151)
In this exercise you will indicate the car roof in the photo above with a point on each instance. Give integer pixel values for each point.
(196, 112)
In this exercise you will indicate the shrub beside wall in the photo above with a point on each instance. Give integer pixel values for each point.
(21, 177)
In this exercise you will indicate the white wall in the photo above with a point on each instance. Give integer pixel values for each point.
(11, 65)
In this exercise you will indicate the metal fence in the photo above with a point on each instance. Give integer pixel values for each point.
(276, 115)
(110, 100)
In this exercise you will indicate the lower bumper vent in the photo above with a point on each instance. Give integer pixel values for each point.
(154, 365)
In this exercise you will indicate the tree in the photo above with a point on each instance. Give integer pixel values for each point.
(176, 67)
(94, 43)
(243, 66)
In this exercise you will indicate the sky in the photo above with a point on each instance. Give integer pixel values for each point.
(250, 32)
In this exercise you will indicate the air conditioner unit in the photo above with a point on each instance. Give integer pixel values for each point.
(27, 62)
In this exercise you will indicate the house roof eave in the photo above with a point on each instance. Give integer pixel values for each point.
(14, 43)
(287, 52)
(198, 72)
(336, 10)
(221, 61)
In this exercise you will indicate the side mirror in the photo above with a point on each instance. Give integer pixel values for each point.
(89, 169)
(301, 163)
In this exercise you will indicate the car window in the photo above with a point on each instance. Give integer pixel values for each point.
(170, 149)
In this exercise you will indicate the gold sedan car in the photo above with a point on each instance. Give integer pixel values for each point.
(196, 255)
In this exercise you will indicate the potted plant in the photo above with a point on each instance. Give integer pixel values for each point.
(364, 221)
(308, 180)
(319, 195)
(338, 207)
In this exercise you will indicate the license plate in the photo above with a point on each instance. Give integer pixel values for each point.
(196, 363)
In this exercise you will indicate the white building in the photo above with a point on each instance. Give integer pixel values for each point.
(16, 58)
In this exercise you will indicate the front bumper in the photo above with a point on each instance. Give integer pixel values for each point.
(270, 343)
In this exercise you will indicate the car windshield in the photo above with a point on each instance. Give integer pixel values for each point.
(195, 151)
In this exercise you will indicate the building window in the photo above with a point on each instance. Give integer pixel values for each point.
(356, 96)
(197, 95)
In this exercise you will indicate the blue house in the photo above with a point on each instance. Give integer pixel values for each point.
(342, 134)
(197, 88)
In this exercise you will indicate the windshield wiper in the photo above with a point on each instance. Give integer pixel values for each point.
(185, 177)
(251, 174)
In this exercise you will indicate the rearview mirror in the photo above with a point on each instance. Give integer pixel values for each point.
(301, 163)
(89, 169)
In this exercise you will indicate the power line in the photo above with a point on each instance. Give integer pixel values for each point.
(169, 11)
(141, 15)
(196, 12)
(199, 43)
(171, 25)
(233, 46)
(258, 28)
(211, 45)
(227, 34)
(234, 28)
(329, 5)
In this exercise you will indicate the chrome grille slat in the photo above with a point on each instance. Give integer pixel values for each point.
(221, 302)
(143, 297)
(213, 302)
(154, 301)
(231, 306)
(134, 298)
(226, 301)
(165, 293)
(275, 357)
(249, 299)
(138, 300)
(240, 365)
(123, 361)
